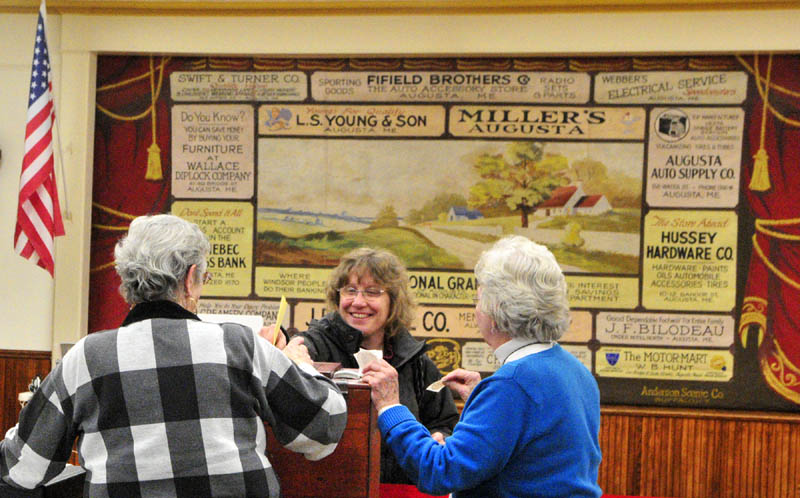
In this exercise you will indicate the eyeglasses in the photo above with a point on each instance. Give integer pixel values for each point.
(206, 278)
(370, 293)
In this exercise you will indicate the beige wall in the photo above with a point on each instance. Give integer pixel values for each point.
(26, 291)
(30, 303)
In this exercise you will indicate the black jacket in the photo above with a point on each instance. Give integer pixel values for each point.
(332, 339)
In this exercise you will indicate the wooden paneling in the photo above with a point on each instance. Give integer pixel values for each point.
(17, 368)
(351, 471)
(699, 453)
(646, 451)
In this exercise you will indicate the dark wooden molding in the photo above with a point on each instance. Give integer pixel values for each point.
(379, 7)
(706, 414)
(25, 354)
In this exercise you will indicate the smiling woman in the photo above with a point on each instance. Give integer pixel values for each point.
(365, 309)
(369, 291)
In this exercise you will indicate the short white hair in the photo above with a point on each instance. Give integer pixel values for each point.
(152, 260)
(523, 289)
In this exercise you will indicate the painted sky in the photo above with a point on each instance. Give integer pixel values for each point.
(360, 176)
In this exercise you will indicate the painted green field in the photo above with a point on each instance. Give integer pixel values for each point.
(325, 248)
(619, 220)
(596, 261)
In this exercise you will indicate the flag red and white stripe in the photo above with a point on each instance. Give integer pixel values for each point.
(38, 213)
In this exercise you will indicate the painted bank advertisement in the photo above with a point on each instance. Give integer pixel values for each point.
(633, 172)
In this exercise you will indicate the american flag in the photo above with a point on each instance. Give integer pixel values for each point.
(38, 213)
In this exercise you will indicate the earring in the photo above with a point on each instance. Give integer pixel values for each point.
(191, 304)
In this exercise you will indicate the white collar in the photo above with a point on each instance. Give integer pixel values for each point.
(519, 348)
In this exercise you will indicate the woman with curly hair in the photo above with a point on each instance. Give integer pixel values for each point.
(369, 291)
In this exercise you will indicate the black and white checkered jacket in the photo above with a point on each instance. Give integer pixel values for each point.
(168, 405)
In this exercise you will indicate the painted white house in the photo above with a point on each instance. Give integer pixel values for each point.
(571, 199)
(592, 205)
(562, 200)
(460, 213)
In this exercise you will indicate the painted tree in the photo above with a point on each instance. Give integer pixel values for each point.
(592, 173)
(572, 235)
(387, 217)
(521, 178)
(621, 190)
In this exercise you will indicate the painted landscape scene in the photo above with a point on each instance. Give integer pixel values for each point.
(438, 204)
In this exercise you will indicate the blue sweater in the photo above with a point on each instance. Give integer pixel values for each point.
(529, 430)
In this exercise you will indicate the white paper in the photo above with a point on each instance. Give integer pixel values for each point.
(347, 373)
(255, 322)
(366, 356)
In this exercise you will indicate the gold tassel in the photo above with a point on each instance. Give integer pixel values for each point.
(153, 152)
(153, 163)
(759, 181)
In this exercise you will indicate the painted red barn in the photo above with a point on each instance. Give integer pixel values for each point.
(571, 199)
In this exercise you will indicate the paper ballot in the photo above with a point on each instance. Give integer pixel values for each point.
(364, 357)
(279, 319)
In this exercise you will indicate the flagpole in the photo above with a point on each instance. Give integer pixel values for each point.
(57, 139)
(60, 156)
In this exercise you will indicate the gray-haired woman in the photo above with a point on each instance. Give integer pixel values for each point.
(168, 405)
(530, 429)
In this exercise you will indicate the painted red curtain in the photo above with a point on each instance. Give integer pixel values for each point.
(770, 306)
(127, 90)
(131, 177)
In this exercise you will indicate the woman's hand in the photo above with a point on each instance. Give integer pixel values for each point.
(297, 351)
(268, 333)
(382, 378)
(294, 349)
(462, 381)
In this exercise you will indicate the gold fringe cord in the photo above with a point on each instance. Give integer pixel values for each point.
(153, 152)
(759, 181)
